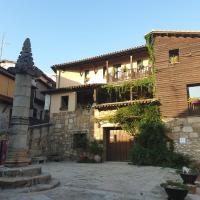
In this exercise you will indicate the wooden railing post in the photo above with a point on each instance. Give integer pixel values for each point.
(107, 72)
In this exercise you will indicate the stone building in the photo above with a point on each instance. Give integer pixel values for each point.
(7, 82)
(76, 102)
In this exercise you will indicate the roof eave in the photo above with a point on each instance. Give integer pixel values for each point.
(97, 58)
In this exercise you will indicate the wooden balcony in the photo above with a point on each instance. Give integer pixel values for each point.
(130, 74)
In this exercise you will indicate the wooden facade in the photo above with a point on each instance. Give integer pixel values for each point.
(172, 80)
(6, 85)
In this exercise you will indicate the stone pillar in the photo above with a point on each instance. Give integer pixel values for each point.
(18, 144)
(17, 154)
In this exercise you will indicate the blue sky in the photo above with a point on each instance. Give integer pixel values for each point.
(65, 30)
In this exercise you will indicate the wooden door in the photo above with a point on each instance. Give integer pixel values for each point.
(118, 144)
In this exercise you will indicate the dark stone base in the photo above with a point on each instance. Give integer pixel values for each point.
(20, 171)
(30, 177)
(17, 182)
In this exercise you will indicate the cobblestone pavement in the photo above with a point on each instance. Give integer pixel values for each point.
(109, 181)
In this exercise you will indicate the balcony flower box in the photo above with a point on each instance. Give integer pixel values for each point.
(194, 101)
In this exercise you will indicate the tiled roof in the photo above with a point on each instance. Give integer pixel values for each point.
(6, 99)
(115, 105)
(99, 57)
(175, 33)
(7, 61)
(72, 88)
(6, 73)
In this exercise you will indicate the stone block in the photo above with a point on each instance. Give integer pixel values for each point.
(71, 120)
(176, 129)
(70, 126)
(187, 129)
(193, 120)
(193, 135)
(58, 126)
(36, 135)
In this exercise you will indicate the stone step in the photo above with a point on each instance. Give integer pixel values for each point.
(41, 187)
(16, 182)
(20, 171)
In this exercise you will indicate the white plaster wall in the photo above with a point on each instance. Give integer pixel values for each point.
(56, 102)
(69, 78)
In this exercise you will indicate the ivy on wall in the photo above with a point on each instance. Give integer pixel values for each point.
(132, 117)
(140, 85)
(149, 45)
(151, 146)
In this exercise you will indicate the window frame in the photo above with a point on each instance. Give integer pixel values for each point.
(61, 103)
(173, 55)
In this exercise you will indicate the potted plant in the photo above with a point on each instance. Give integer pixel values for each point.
(175, 190)
(189, 175)
(96, 149)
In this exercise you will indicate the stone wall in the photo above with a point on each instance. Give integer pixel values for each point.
(65, 125)
(186, 135)
(38, 140)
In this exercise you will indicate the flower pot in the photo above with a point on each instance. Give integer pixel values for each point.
(195, 102)
(175, 193)
(97, 158)
(189, 178)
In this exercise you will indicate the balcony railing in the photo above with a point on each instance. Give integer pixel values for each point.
(194, 108)
(130, 74)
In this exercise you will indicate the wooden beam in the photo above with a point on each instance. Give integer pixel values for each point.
(131, 93)
(95, 96)
(107, 74)
(59, 72)
(131, 62)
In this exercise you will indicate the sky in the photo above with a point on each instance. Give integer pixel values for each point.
(66, 30)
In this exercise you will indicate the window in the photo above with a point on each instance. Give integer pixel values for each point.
(140, 65)
(87, 75)
(117, 71)
(80, 141)
(64, 102)
(104, 72)
(193, 99)
(193, 91)
(41, 115)
(34, 113)
(174, 56)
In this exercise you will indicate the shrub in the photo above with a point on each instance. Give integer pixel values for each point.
(151, 146)
(96, 147)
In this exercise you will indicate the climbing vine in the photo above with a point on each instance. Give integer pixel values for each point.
(152, 146)
(149, 45)
(139, 85)
(132, 117)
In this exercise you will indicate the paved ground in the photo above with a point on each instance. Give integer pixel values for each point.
(109, 181)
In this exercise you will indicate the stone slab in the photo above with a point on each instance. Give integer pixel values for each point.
(17, 182)
(20, 171)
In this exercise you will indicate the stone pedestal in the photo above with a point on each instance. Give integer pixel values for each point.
(17, 152)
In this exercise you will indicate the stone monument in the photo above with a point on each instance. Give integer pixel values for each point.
(25, 72)
(17, 173)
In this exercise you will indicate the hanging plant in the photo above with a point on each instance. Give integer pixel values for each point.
(140, 85)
